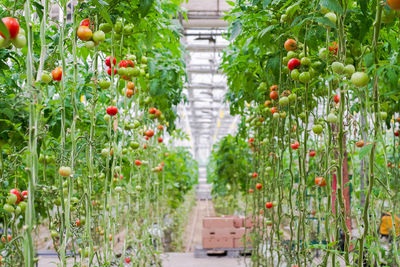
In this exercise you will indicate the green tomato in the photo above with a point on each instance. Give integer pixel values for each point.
(284, 101)
(122, 71)
(11, 199)
(142, 72)
(294, 74)
(305, 61)
(118, 27)
(105, 152)
(291, 54)
(349, 70)
(305, 77)
(134, 145)
(23, 205)
(136, 124)
(384, 115)
(292, 98)
(359, 79)
(136, 72)
(286, 70)
(285, 60)
(104, 84)
(53, 233)
(90, 45)
(276, 115)
(19, 41)
(128, 29)
(18, 210)
(4, 43)
(332, 118)
(105, 27)
(282, 114)
(98, 36)
(317, 128)
(46, 77)
(9, 208)
(331, 16)
(144, 60)
(337, 67)
(131, 57)
(323, 53)
(106, 118)
(147, 100)
(118, 189)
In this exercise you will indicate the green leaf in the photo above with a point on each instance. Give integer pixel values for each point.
(39, 9)
(266, 3)
(365, 151)
(332, 5)
(325, 21)
(230, 3)
(101, 4)
(144, 7)
(4, 30)
(236, 29)
(363, 6)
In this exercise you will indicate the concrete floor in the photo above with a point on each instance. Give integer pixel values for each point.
(172, 260)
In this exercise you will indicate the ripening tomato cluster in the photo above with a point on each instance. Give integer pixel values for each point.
(15, 34)
(15, 201)
(85, 34)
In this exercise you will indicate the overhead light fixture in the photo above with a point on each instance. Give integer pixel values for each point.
(209, 38)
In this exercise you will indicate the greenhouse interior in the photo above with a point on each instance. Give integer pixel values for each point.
(199, 133)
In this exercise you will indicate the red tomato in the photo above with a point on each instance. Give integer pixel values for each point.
(126, 63)
(12, 26)
(397, 133)
(160, 140)
(269, 205)
(259, 186)
(160, 127)
(24, 194)
(138, 162)
(85, 22)
(273, 88)
(108, 61)
(254, 175)
(336, 98)
(57, 74)
(294, 63)
(144, 146)
(109, 71)
(251, 140)
(312, 153)
(146, 137)
(149, 133)
(251, 191)
(334, 48)
(152, 110)
(17, 193)
(295, 145)
(274, 109)
(112, 111)
(360, 143)
(78, 222)
(274, 95)
(127, 260)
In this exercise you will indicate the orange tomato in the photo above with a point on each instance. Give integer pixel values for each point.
(290, 45)
(57, 73)
(320, 181)
(394, 4)
(84, 33)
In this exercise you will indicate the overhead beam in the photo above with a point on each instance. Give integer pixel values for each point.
(205, 48)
